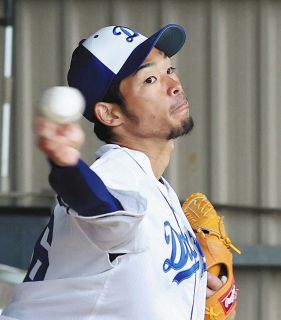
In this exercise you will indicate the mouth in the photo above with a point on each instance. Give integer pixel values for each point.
(181, 106)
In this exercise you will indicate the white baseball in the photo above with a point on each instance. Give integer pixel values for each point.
(62, 104)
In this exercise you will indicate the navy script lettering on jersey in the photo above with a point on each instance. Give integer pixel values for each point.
(40, 259)
(131, 34)
(184, 257)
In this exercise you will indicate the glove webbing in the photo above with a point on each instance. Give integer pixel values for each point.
(221, 236)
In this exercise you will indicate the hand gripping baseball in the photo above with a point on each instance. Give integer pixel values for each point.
(59, 136)
(216, 245)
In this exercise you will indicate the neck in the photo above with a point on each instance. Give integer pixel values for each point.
(158, 152)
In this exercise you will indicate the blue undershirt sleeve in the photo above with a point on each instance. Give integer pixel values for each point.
(82, 190)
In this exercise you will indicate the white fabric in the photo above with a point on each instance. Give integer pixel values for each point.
(82, 284)
(102, 42)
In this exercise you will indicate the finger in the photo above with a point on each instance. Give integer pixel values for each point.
(60, 155)
(66, 134)
(73, 133)
(213, 282)
(209, 293)
(43, 127)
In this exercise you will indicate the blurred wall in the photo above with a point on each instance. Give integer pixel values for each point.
(232, 76)
(229, 67)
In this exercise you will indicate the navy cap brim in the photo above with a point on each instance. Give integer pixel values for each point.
(169, 39)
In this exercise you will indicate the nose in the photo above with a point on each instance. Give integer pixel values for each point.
(174, 87)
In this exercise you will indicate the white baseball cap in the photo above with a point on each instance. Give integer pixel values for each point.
(113, 53)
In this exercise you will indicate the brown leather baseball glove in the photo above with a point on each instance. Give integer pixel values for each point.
(216, 245)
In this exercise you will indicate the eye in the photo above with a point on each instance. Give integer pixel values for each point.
(151, 79)
(171, 70)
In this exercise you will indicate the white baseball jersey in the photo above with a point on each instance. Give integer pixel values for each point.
(139, 262)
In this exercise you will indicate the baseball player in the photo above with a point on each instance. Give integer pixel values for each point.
(118, 245)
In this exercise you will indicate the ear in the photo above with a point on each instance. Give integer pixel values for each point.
(108, 113)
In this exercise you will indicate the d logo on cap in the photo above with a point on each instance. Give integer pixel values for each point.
(128, 32)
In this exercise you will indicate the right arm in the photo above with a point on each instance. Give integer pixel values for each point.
(78, 186)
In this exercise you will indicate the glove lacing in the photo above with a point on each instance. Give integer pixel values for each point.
(210, 311)
(222, 235)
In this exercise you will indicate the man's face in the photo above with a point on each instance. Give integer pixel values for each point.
(156, 105)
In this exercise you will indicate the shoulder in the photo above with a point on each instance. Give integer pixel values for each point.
(118, 169)
(123, 178)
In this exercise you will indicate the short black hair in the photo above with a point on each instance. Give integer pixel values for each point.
(113, 95)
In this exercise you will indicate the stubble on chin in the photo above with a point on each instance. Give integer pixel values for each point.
(184, 128)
